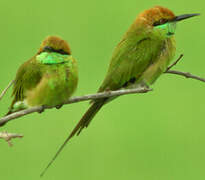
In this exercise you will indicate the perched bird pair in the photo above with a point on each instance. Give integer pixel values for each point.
(142, 55)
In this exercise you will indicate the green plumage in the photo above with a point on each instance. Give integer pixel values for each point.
(139, 59)
(136, 53)
(49, 78)
(142, 55)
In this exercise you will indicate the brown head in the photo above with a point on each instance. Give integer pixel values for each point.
(160, 15)
(54, 44)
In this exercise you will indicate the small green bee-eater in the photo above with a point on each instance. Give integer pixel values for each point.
(142, 55)
(48, 78)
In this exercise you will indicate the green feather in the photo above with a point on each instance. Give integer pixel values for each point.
(133, 56)
(168, 28)
(46, 79)
(52, 58)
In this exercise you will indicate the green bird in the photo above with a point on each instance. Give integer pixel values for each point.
(142, 55)
(48, 78)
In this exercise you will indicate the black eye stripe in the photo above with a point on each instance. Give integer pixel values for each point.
(61, 51)
(160, 22)
(50, 49)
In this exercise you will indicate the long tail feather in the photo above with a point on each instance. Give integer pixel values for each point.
(84, 122)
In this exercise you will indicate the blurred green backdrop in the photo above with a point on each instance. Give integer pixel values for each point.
(155, 136)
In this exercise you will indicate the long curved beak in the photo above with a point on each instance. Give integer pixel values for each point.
(184, 16)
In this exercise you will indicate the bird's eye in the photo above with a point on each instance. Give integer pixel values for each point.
(160, 22)
(47, 48)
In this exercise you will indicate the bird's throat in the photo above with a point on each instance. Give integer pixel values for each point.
(167, 29)
(52, 58)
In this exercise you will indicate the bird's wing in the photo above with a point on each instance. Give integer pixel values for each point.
(27, 77)
(130, 59)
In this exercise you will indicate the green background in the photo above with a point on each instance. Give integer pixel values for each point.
(155, 136)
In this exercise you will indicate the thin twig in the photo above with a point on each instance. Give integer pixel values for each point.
(186, 75)
(175, 63)
(8, 136)
(6, 89)
(12, 116)
(18, 114)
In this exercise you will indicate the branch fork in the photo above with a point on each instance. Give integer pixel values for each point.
(8, 136)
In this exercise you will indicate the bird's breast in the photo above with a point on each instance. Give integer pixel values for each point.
(55, 87)
(165, 55)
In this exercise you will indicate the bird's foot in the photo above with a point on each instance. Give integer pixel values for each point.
(59, 106)
(42, 109)
(144, 85)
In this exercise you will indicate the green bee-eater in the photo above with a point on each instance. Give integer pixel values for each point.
(142, 55)
(48, 78)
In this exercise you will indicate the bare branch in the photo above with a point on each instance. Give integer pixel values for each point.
(18, 114)
(6, 89)
(186, 75)
(175, 63)
(8, 136)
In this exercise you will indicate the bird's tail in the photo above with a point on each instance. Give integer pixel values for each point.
(84, 122)
(89, 115)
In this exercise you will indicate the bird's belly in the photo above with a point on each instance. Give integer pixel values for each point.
(163, 60)
(53, 89)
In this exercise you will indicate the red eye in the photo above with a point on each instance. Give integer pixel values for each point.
(160, 22)
(163, 21)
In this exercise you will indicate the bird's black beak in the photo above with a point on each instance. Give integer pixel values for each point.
(184, 16)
